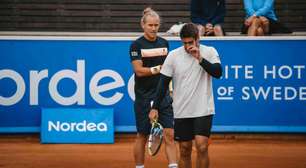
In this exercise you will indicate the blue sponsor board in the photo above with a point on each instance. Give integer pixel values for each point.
(68, 125)
(262, 88)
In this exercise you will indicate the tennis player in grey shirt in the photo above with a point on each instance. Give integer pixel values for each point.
(191, 67)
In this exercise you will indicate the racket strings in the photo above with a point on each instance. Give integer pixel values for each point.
(155, 138)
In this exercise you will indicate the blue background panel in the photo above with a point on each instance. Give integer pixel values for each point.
(266, 112)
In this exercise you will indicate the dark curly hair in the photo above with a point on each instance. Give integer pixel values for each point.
(190, 30)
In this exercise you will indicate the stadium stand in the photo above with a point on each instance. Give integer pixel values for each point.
(123, 15)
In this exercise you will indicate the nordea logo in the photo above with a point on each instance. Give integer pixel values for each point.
(79, 125)
(74, 126)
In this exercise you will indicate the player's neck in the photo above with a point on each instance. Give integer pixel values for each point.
(152, 39)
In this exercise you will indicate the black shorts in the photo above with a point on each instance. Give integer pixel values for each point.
(142, 109)
(275, 27)
(186, 128)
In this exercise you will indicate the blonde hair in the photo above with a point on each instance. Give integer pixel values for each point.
(149, 12)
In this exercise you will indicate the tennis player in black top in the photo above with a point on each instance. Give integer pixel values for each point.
(147, 55)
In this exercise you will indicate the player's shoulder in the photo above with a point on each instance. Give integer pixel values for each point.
(137, 43)
(202, 46)
(138, 40)
(162, 40)
(177, 51)
(207, 48)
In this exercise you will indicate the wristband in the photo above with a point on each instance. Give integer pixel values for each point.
(155, 70)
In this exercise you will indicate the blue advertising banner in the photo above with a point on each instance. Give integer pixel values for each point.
(262, 88)
(66, 125)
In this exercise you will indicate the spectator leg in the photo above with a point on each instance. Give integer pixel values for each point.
(265, 24)
(252, 31)
(218, 30)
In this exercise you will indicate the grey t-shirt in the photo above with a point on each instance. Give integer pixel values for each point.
(192, 94)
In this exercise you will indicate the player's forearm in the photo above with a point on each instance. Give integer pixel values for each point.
(214, 70)
(161, 90)
(142, 72)
(147, 71)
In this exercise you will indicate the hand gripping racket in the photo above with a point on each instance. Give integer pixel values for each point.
(155, 138)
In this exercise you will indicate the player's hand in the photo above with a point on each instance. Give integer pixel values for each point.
(155, 70)
(194, 51)
(153, 115)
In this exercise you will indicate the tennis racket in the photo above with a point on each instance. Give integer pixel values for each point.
(155, 138)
